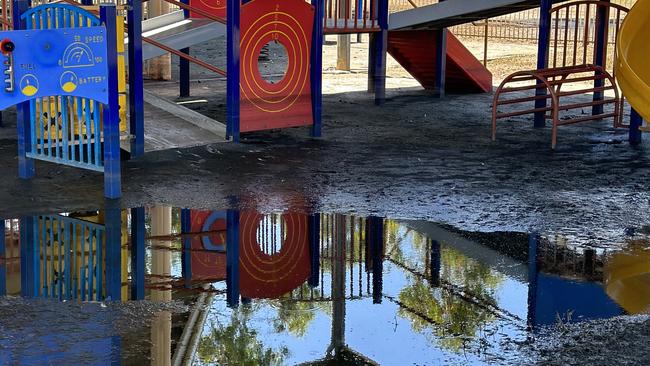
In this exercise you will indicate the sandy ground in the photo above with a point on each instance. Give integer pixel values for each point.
(414, 157)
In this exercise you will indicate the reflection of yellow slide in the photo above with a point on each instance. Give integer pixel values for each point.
(627, 279)
(633, 58)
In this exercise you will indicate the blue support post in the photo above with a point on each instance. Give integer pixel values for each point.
(113, 250)
(112, 173)
(137, 253)
(542, 56)
(184, 65)
(3, 260)
(30, 264)
(378, 49)
(602, 25)
(441, 62)
(186, 254)
(435, 263)
(26, 168)
(314, 250)
(233, 59)
(136, 80)
(636, 121)
(232, 258)
(533, 244)
(375, 240)
(317, 68)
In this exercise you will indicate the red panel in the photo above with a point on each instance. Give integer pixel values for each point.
(265, 275)
(465, 73)
(214, 7)
(207, 264)
(286, 103)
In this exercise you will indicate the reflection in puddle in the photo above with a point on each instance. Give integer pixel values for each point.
(293, 288)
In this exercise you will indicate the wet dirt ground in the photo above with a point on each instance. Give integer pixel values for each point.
(415, 157)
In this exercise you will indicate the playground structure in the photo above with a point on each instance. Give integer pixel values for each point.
(89, 138)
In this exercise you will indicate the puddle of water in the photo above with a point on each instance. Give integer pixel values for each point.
(181, 286)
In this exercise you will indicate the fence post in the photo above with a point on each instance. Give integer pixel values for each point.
(232, 258)
(232, 99)
(600, 56)
(137, 253)
(542, 56)
(136, 82)
(317, 68)
(441, 62)
(26, 168)
(112, 173)
(183, 64)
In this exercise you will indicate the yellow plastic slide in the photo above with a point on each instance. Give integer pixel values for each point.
(633, 58)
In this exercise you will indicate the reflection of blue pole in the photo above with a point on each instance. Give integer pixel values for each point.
(232, 98)
(314, 249)
(232, 258)
(435, 263)
(186, 228)
(136, 82)
(636, 121)
(317, 67)
(113, 225)
(112, 173)
(375, 235)
(26, 167)
(542, 55)
(137, 253)
(533, 244)
(29, 260)
(3, 260)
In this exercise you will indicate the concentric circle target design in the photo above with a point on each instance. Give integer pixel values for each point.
(208, 259)
(269, 276)
(288, 102)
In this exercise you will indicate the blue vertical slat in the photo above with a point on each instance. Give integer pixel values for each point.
(136, 82)
(65, 133)
(87, 129)
(67, 272)
(97, 135)
(82, 270)
(99, 265)
(75, 263)
(137, 253)
(232, 257)
(92, 243)
(60, 261)
(233, 59)
(317, 68)
(112, 174)
(542, 56)
(52, 282)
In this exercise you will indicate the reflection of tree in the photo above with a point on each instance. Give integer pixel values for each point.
(295, 316)
(450, 317)
(237, 344)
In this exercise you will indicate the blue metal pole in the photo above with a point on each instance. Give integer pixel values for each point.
(542, 55)
(233, 59)
(441, 62)
(375, 235)
(435, 263)
(26, 168)
(533, 244)
(314, 250)
(636, 121)
(602, 24)
(379, 47)
(232, 258)
(137, 253)
(113, 250)
(3, 260)
(186, 228)
(112, 173)
(29, 260)
(184, 65)
(317, 68)
(136, 80)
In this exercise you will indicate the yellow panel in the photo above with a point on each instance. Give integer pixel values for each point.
(120, 34)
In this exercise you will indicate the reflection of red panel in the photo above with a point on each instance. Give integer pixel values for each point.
(286, 103)
(270, 276)
(214, 7)
(206, 262)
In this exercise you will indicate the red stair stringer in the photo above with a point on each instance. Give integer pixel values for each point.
(415, 50)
